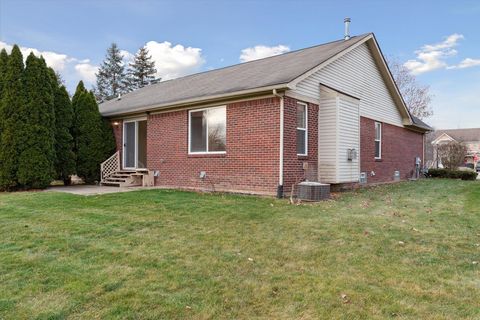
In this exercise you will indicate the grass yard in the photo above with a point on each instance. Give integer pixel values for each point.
(404, 251)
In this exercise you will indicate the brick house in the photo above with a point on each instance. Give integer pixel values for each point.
(470, 137)
(329, 113)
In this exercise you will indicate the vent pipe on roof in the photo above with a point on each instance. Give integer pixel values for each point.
(347, 28)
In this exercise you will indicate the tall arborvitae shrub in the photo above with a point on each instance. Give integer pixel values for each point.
(3, 73)
(109, 143)
(91, 136)
(3, 68)
(37, 130)
(75, 100)
(64, 155)
(12, 101)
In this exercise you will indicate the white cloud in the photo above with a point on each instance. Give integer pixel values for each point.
(466, 63)
(433, 56)
(71, 69)
(174, 61)
(170, 61)
(127, 56)
(86, 71)
(55, 60)
(448, 43)
(259, 52)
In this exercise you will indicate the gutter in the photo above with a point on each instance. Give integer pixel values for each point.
(189, 102)
(280, 166)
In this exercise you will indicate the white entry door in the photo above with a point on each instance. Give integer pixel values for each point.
(135, 144)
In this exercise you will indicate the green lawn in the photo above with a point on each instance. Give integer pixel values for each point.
(403, 251)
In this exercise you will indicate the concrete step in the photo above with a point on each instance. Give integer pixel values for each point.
(110, 184)
(126, 171)
(111, 179)
(120, 176)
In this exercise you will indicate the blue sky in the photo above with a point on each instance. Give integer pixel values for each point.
(191, 36)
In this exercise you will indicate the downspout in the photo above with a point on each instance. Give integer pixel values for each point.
(423, 150)
(280, 166)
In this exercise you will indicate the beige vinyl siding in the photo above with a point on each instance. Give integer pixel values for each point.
(327, 137)
(356, 74)
(338, 131)
(348, 138)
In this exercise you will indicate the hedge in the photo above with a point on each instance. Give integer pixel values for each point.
(452, 174)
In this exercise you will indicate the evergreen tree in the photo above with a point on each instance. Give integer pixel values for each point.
(11, 102)
(89, 139)
(79, 91)
(37, 129)
(94, 140)
(111, 77)
(109, 143)
(3, 73)
(64, 156)
(142, 69)
(3, 68)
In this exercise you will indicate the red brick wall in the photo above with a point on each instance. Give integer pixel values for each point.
(293, 164)
(400, 146)
(250, 163)
(252, 159)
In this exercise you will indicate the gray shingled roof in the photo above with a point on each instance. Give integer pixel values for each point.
(266, 72)
(420, 124)
(471, 134)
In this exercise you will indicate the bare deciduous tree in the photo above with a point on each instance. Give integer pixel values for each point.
(451, 154)
(416, 95)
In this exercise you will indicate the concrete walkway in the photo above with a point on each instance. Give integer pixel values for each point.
(89, 190)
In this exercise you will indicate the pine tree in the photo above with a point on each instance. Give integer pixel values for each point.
(112, 79)
(12, 101)
(64, 156)
(142, 69)
(37, 130)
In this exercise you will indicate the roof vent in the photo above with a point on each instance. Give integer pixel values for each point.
(119, 97)
(347, 28)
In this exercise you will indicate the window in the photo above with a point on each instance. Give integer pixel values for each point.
(207, 132)
(378, 140)
(302, 135)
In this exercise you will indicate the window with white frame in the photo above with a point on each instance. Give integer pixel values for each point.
(302, 130)
(378, 140)
(208, 130)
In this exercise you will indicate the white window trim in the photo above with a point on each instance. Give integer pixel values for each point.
(379, 140)
(304, 129)
(190, 152)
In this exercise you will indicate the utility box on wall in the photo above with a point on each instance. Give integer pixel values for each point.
(363, 178)
(396, 176)
(351, 154)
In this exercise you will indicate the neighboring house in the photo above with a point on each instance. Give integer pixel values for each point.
(469, 137)
(328, 113)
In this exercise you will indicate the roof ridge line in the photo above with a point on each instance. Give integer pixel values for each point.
(243, 63)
